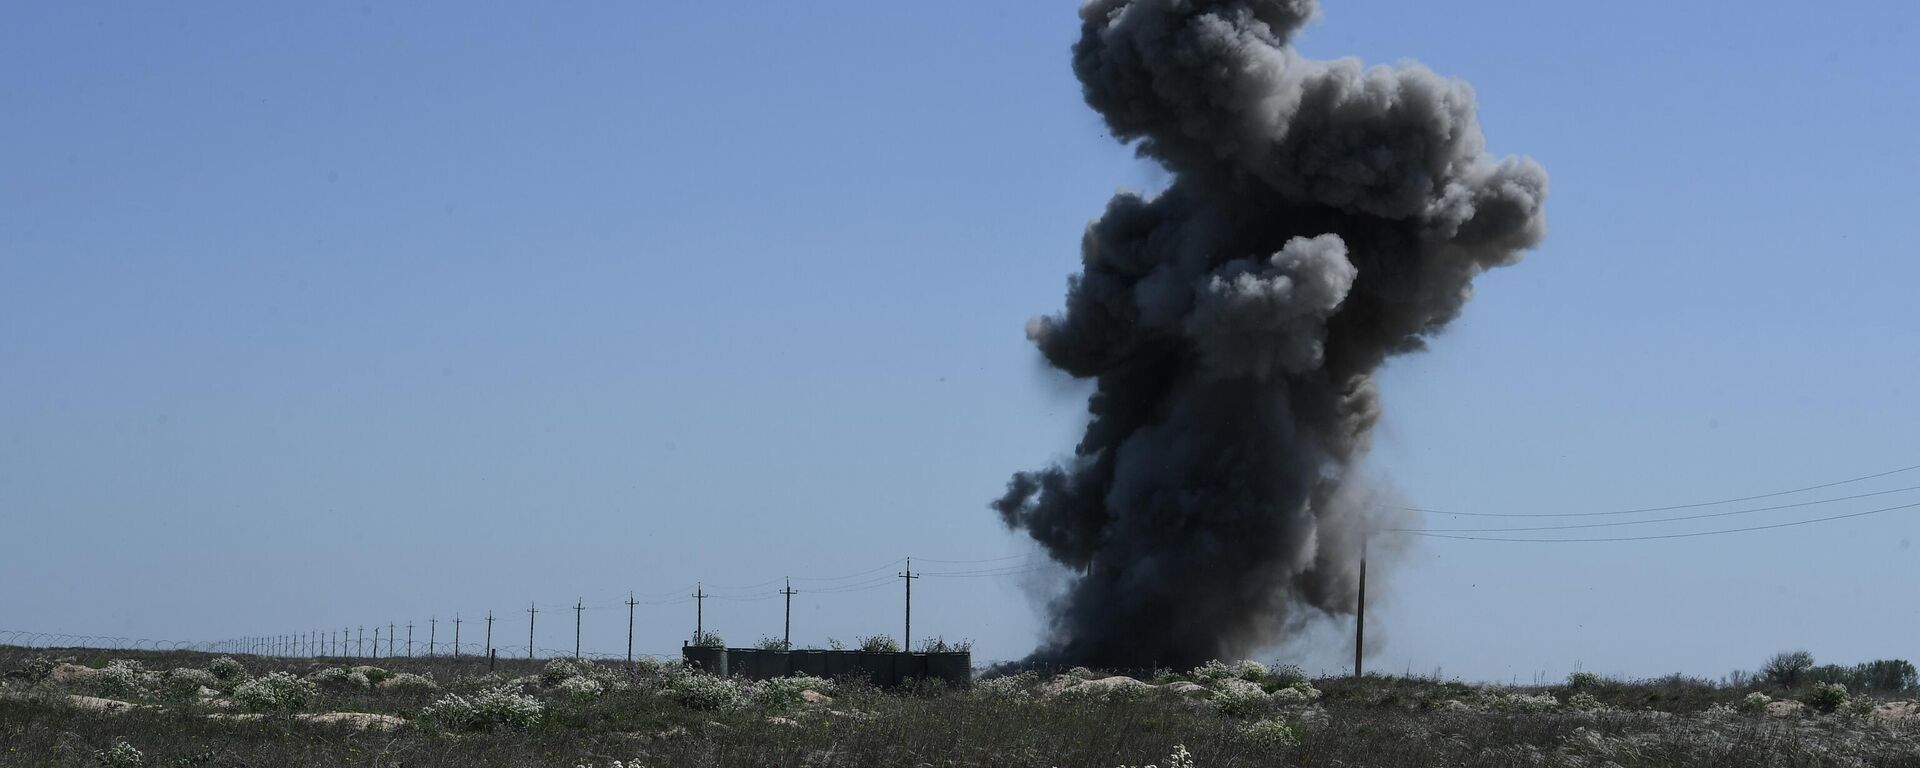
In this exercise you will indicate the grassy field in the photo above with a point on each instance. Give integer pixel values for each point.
(130, 708)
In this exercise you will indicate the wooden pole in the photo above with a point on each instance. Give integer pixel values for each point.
(1360, 616)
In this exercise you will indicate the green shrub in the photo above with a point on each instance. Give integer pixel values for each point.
(1271, 734)
(1283, 675)
(1249, 670)
(39, 668)
(940, 645)
(497, 708)
(582, 688)
(1211, 672)
(1301, 692)
(1510, 701)
(1827, 697)
(1886, 675)
(227, 669)
(879, 644)
(375, 675)
(275, 692)
(708, 640)
(341, 679)
(707, 692)
(1584, 701)
(120, 677)
(120, 755)
(408, 682)
(1583, 681)
(1006, 687)
(1234, 697)
(184, 684)
(558, 671)
(1755, 702)
(782, 693)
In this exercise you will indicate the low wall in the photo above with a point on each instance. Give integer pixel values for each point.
(883, 669)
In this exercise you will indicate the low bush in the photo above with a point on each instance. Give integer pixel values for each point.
(1211, 672)
(879, 644)
(1511, 701)
(940, 645)
(275, 692)
(1755, 702)
(227, 669)
(1583, 681)
(707, 640)
(1015, 686)
(120, 677)
(709, 693)
(783, 693)
(1250, 671)
(1301, 692)
(184, 683)
(1283, 675)
(558, 671)
(120, 755)
(408, 682)
(1271, 734)
(581, 688)
(497, 708)
(340, 679)
(375, 675)
(1584, 702)
(1827, 698)
(1234, 697)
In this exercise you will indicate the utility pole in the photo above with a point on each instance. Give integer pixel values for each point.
(456, 635)
(433, 626)
(531, 610)
(376, 641)
(409, 639)
(360, 646)
(578, 606)
(489, 639)
(1360, 614)
(699, 611)
(630, 604)
(391, 636)
(906, 641)
(787, 637)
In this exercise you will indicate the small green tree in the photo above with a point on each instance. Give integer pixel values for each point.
(1827, 697)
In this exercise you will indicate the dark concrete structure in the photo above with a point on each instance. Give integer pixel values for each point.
(882, 669)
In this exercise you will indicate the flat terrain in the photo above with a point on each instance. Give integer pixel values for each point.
(72, 707)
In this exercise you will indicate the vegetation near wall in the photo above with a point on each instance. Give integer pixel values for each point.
(428, 713)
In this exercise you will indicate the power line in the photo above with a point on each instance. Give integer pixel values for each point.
(969, 562)
(1649, 522)
(1675, 535)
(1672, 506)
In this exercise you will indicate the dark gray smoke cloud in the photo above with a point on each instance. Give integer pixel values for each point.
(1322, 216)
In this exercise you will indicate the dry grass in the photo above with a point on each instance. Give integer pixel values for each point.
(1379, 721)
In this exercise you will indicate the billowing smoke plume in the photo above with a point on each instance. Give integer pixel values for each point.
(1322, 216)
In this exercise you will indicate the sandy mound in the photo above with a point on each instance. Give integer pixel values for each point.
(359, 719)
(103, 705)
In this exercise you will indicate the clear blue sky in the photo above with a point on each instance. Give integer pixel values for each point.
(338, 315)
